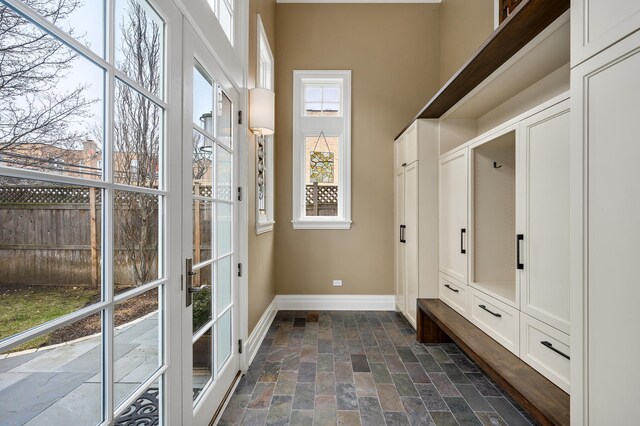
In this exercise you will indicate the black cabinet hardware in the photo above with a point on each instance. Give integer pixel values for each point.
(451, 288)
(492, 313)
(404, 164)
(519, 237)
(402, 228)
(550, 346)
(462, 232)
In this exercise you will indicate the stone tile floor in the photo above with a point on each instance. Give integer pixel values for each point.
(352, 368)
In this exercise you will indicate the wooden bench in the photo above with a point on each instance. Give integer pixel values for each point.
(543, 400)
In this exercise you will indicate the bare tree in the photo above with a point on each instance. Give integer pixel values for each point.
(137, 131)
(32, 64)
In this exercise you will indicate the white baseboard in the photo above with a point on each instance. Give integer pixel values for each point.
(260, 330)
(331, 302)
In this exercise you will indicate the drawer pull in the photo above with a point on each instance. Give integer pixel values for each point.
(462, 232)
(452, 289)
(550, 346)
(492, 313)
(519, 237)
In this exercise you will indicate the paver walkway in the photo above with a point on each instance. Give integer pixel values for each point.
(62, 385)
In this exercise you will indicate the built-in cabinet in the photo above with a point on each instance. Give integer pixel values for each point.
(605, 212)
(504, 236)
(416, 192)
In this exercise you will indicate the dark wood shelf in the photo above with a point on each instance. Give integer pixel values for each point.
(543, 400)
(528, 20)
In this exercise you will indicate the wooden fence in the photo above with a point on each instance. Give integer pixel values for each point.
(321, 200)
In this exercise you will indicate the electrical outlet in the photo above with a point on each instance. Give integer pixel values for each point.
(337, 283)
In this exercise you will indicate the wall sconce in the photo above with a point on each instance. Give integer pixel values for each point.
(261, 111)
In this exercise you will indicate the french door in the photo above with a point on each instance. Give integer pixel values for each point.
(209, 233)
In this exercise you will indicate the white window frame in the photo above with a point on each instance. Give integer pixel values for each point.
(304, 126)
(265, 220)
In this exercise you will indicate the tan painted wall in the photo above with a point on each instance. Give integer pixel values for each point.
(464, 25)
(262, 284)
(392, 51)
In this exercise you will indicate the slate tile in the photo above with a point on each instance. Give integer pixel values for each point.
(254, 417)
(464, 364)
(346, 398)
(325, 383)
(473, 398)
(356, 347)
(261, 397)
(389, 398)
(406, 355)
(359, 363)
(507, 411)
(461, 411)
(325, 362)
(380, 372)
(455, 375)
(395, 364)
(280, 410)
(270, 372)
(483, 385)
(395, 418)
(247, 383)
(302, 417)
(416, 372)
(325, 346)
(234, 411)
(276, 354)
(299, 322)
(444, 385)
(491, 419)
(416, 411)
(304, 396)
(349, 418)
(373, 354)
(428, 363)
(438, 354)
(286, 384)
(344, 372)
(450, 348)
(309, 354)
(443, 418)
(370, 411)
(291, 361)
(307, 372)
(404, 385)
(431, 397)
(365, 385)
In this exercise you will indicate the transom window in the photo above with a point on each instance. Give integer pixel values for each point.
(223, 9)
(322, 150)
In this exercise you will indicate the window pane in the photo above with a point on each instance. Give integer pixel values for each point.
(202, 100)
(62, 381)
(51, 102)
(139, 43)
(224, 173)
(202, 363)
(322, 99)
(202, 306)
(202, 215)
(135, 222)
(84, 20)
(224, 122)
(137, 136)
(321, 175)
(136, 342)
(223, 283)
(223, 225)
(50, 252)
(202, 164)
(224, 338)
(226, 20)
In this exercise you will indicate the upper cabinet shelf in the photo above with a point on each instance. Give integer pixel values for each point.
(500, 50)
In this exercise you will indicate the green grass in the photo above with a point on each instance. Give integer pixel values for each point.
(24, 307)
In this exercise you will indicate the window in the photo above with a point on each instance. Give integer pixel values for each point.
(322, 150)
(223, 10)
(264, 144)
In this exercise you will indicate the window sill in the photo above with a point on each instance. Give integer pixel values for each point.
(264, 227)
(321, 224)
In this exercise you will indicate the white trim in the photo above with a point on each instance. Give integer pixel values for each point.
(264, 227)
(321, 224)
(496, 14)
(334, 302)
(259, 332)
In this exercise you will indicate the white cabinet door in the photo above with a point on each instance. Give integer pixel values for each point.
(597, 24)
(543, 195)
(399, 242)
(605, 236)
(454, 215)
(411, 144)
(411, 237)
(399, 148)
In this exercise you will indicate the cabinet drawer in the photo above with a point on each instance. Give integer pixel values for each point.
(497, 319)
(454, 294)
(544, 348)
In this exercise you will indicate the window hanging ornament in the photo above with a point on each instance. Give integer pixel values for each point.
(322, 163)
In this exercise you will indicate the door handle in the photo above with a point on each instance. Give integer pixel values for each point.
(197, 289)
(402, 228)
(491, 312)
(550, 346)
(463, 231)
(519, 238)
